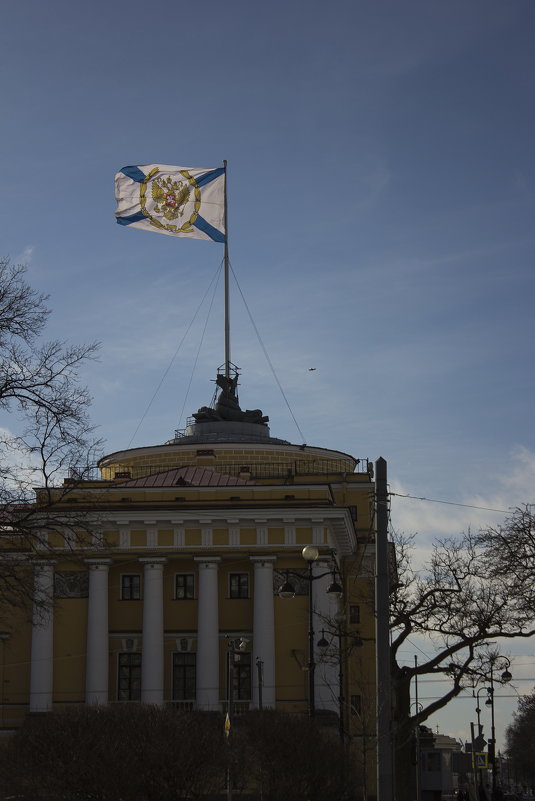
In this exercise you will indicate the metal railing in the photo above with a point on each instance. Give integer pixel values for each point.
(183, 706)
(238, 707)
(254, 470)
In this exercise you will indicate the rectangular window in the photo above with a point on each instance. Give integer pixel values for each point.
(131, 587)
(354, 613)
(356, 705)
(434, 762)
(239, 585)
(184, 684)
(129, 680)
(240, 669)
(184, 586)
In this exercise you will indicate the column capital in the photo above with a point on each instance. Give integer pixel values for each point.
(158, 561)
(210, 562)
(259, 560)
(94, 564)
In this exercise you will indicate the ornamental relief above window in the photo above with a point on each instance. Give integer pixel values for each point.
(71, 584)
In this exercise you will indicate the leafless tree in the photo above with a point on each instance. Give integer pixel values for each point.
(461, 603)
(520, 748)
(52, 437)
(509, 550)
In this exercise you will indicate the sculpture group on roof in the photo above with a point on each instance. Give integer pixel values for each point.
(227, 407)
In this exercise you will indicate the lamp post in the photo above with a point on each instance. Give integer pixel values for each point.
(418, 708)
(235, 649)
(340, 618)
(310, 553)
(504, 679)
(260, 672)
(478, 708)
(479, 739)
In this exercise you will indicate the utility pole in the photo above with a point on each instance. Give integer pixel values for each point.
(385, 772)
(417, 729)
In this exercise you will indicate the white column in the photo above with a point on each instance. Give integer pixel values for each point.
(97, 659)
(325, 607)
(152, 659)
(263, 630)
(208, 635)
(41, 670)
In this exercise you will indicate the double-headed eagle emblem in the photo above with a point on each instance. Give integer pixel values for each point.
(170, 197)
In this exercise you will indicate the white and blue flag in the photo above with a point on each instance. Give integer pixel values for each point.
(178, 201)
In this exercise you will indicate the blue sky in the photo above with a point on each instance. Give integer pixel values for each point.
(381, 204)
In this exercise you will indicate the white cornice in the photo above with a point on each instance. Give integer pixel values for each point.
(232, 489)
(221, 447)
(337, 519)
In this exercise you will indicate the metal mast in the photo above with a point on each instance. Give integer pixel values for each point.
(226, 271)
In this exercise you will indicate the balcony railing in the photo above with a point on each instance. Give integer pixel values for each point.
(238, 707)
(183, 706)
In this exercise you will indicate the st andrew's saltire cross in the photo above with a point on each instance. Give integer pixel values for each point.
(178, 201)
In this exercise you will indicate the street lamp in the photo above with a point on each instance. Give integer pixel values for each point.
(504, 679)
(234, 650)
(417, 755)
(310, 553)
(477, 742)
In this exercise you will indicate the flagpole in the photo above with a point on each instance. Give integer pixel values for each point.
(226, 271)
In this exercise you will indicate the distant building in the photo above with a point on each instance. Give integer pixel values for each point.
(439, 768)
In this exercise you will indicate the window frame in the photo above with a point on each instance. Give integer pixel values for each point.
(356, 705)
(241, 591)
(187, 596)
(433, 761)
(184, 677)
(242, 677)
(126, 576)
(132, 675)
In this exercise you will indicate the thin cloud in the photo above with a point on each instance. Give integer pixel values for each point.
(431, 519)
(25, 256)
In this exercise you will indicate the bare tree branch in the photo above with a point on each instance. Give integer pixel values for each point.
(40, 388)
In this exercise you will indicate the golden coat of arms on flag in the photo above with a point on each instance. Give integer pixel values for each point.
(178, 201)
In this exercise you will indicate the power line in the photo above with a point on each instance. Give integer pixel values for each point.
(449, 503)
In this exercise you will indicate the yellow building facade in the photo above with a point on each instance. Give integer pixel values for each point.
(170, 594)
